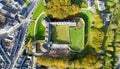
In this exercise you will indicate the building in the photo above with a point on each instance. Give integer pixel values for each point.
(90, 3)
(106, 18)
(53, 49)
(2, 21)
(26, 10)
(101, 5)
(20, 2)
(8, 9)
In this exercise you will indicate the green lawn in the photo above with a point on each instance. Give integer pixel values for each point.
(60, 34)
(40, 29)
(77, 38)
(88, 18)
(40, 8)
(31, 30)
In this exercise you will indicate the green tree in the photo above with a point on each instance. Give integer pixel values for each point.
(97, 39)
(61, 9)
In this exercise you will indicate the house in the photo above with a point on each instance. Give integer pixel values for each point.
(26, 10)
(106, 18)
(20, 2)
(1, 5)
(8, 7)
(8, 10)
(101, 5)
(90, 3)
(2, 21)
(50, 48)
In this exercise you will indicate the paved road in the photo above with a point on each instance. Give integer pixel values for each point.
(23, 60)
(20, 50)
(7, 59)
(27, 19)
(12, 65)
(14, 49)
(4, 55)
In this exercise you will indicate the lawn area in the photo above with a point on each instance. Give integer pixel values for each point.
(40, 29)
(77, 38)
(40, 8)
(60, 34)
(31, 30)
(88, 18)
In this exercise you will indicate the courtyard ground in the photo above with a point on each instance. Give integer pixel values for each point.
(77, 38)
(60, 34)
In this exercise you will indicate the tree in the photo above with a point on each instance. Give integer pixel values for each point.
(30, 46)
(97, 21)
(97, 39)
(89, 61)
(77, 64)
(111, 36)
(61, 9)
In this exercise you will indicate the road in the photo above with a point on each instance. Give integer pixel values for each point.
(4, 55)
(26, 20)
(20, 50)
(7, 59)
(23, 60)
(14, 49)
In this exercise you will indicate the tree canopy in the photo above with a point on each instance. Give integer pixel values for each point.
(61, 9)
(97, 39)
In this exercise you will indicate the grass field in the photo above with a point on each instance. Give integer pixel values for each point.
(40, 29)
(40, 8)
(88, 18)
(60, 34)
(77, 38)
(31, 30)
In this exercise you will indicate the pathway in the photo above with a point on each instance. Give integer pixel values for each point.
(36, 22)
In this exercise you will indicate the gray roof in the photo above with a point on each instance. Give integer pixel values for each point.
(1, 6)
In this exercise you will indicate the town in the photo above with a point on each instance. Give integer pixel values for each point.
(59, 34)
